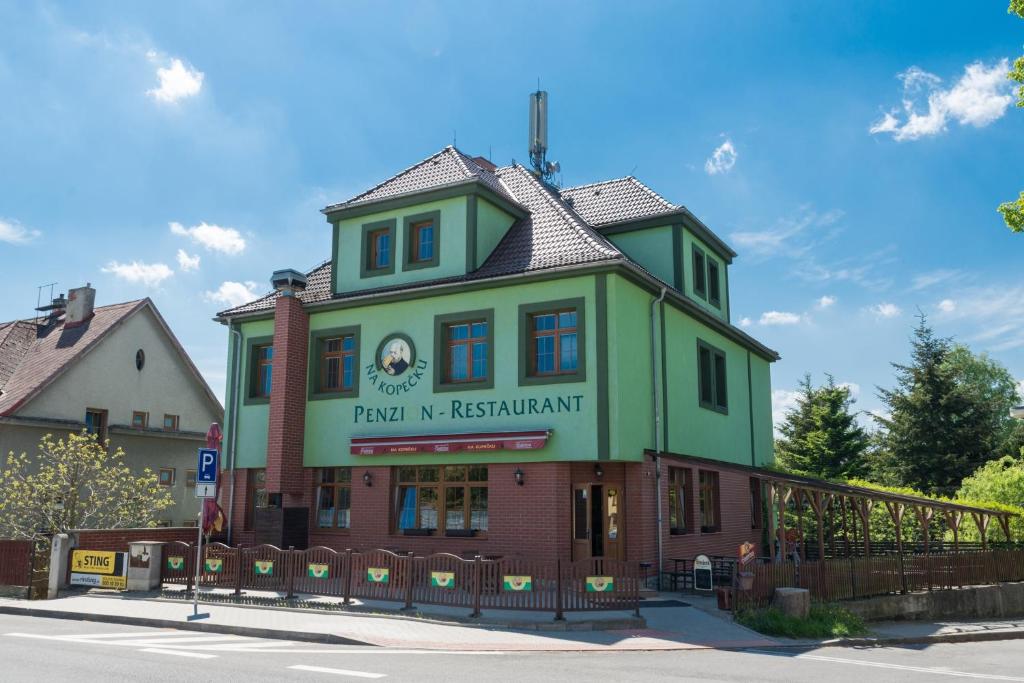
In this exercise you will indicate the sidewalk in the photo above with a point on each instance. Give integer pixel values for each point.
(669, 628)
(697, 625)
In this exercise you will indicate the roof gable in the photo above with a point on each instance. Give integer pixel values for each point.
(447, 167)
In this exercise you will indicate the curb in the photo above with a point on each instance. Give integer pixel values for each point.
(972, 637)
(226, 629)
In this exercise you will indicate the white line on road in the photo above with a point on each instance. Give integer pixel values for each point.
(122, 634)
(899, 667)
(178, 653)
(339, 672)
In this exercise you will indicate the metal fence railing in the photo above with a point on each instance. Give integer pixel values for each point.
(437, 579)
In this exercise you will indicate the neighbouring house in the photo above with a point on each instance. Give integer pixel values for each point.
(117, 371)
(490, 364)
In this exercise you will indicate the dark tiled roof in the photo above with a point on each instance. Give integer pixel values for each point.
(42, 353)
(614, 201)
(318, 288)
(447, 167)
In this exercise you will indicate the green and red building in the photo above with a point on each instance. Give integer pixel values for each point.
(490, 364)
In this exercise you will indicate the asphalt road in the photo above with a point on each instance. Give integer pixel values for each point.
(38, 649)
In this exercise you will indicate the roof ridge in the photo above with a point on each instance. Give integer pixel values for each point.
(577, 222)
(393, 178)
(651, 192)
(594, 184)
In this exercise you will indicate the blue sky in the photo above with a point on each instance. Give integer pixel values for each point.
(852, 153)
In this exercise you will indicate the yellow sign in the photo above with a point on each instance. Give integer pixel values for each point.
(94, 562)
(118, 582)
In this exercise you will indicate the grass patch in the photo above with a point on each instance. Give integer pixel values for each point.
(825, 621)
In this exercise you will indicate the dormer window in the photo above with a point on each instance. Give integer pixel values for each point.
(422, 240)
(379, 248)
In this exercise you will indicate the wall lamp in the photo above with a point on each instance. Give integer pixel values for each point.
(519, 476)
(367, 478)
(598, 470)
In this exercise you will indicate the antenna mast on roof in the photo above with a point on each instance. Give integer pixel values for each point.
(542, 168)
(39, 296)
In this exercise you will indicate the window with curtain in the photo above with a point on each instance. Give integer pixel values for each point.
(709, 508)
(334, 498)
(449, 499)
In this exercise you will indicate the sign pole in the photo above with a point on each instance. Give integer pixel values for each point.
(206, 487)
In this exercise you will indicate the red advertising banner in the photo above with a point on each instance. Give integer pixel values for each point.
(449, 443)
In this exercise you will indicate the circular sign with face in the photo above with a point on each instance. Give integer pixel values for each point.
(395, 354)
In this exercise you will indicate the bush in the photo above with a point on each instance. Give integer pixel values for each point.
(824, 621)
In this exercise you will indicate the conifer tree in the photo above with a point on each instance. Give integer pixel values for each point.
(821, 437)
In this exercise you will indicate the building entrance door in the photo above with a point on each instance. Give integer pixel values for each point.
(597, 521)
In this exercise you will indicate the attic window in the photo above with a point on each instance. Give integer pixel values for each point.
(140, 359)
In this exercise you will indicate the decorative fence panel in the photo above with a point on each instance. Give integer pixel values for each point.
(436, 579)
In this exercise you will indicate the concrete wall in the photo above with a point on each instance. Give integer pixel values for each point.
(979, 602)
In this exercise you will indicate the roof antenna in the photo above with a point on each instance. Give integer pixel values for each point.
(453, 137)
(542, 168)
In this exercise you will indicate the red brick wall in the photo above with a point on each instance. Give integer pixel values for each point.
(119, 539)
(523, 521)
(288, 403)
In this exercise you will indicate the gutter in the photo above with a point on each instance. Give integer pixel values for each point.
(657, 434)
(235, 377)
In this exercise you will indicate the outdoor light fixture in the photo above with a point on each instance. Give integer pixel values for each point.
(598, 470)
(519, 476)
(367, 478)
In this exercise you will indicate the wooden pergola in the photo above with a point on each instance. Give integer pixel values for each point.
(822, 498)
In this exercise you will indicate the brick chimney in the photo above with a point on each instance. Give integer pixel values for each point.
(285, 473)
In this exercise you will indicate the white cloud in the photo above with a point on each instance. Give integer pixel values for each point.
(783, 401)
(213, 237)
(991, 316)
(722, 159)
(826, 302)
(786, 237)
(13, 232)
(746, 322)
(935, 277)
(234, 293)
(886, 310)
(853, 387)
(980, 97)
(779, 318)
(177, 81)
(947, 305)
(186, 262)
(149, 274)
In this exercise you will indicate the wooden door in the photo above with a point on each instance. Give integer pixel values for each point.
(581, 511)
(614, 540)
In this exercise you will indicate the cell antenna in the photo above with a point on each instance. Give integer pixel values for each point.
(542, 168)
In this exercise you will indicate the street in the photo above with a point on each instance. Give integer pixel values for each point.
(34, 649)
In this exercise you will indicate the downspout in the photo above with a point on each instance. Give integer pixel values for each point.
(234, 376)
(657, 433)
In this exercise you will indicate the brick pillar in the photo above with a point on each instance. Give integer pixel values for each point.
(285, 474)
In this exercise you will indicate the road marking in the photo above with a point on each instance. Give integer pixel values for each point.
(898, 667)
(178, 653)
(339, 672)
(168, 642)
(122, 634)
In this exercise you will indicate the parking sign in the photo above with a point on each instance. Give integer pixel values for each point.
(206, 473)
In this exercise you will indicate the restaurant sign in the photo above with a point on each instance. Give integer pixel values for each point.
(450, 443)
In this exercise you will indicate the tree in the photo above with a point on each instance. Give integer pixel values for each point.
(999, 481)
(821, 437)
(1013, 211)
(948, 415)
(76, 484)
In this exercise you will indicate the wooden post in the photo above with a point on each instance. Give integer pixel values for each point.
(1004, 522)
(953, 519)
(238, 571)
(781, 498)
(832, 526)
(864, 510)
(896, 512)
(981, 520)
(846, 530)
(799, 493)
(347, 594)
(477, 580)
(559, 610)
(290, 562)
(409, 569)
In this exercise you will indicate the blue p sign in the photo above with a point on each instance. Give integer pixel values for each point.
(206, 471)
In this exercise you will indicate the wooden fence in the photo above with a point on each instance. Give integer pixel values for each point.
(438, 579)
(15, 562)
(850, 578)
